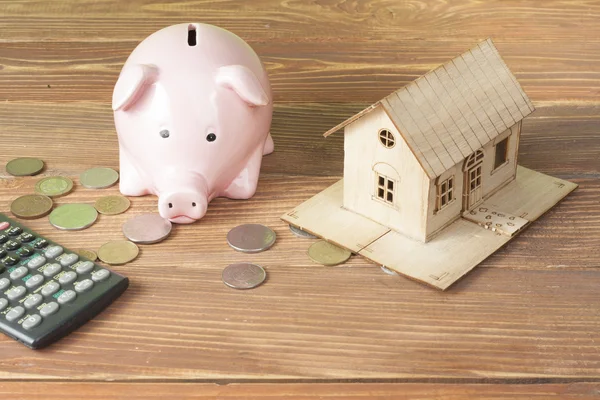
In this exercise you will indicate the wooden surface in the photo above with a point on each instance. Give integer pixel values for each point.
(526, 324)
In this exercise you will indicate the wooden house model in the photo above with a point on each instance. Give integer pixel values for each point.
(431, 174)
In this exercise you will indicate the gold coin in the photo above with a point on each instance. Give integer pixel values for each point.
(31, 206)
(85, 253)
(112, 205)
(325, 253)
(25, 166)
(118, 252)
(99, 178)
(73, 217)
(54, 186)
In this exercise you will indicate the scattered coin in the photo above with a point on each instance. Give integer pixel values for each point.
(118, 252)
(147, 229)
(25, 166)
(112, 205)
(300, 233)
(99, 178)
(85, 253)
(251, 238)
(54, 186)
(73, 217)
(31, 206)
(243, 276)
(388, 271)
(328, 254)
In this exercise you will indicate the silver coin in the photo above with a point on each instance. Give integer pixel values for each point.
(147, 229)
(302, 234)
(243, 276)
(251, 238)
(388, 271)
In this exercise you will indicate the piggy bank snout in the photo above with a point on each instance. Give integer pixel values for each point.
(182, 207)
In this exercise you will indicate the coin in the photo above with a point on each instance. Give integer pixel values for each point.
(328, 254)
(31, 206)
(85, 253)
(243, 276)
(73, 217)
(147, 229)
(24, 166)
(99, 178)
(251, 238)
(54, 186)
(112, 205)
(118, 252)
(300, 233)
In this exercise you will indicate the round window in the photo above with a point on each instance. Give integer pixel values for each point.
(387, 138)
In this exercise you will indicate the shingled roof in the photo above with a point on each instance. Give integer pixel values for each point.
(454, 110)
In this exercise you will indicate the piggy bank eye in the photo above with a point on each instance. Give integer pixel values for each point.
(211, 137)
(164, 133)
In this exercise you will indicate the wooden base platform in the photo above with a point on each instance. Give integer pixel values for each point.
(453, 252)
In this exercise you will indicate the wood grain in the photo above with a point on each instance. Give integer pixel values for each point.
(301, 391)
(524, 325)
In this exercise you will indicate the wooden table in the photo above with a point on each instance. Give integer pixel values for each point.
(525, 324)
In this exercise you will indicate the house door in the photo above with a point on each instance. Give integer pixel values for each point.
(473, 191)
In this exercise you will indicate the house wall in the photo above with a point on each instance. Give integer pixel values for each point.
(492, 180)
(363, 154)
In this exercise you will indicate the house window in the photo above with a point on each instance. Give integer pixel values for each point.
(385, 188)
(387, 138)
(445, 193)
(501, 153)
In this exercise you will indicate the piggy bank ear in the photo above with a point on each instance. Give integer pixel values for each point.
(132, 82)
(242, 81)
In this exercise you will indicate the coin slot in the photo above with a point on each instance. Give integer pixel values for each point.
(191, 35)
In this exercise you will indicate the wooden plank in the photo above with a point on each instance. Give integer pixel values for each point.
(324, 214)
(441, 100)
(436, 126)
(471, 107)
(531, 194)
(299, 391)
(492, 93)
(477, 93)
(489, 69)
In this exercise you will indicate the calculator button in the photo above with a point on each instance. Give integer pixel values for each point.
(84, 285)
(67, 277)
(50, 288)
(15, 313)
(27, 237)
(3, 303)
(12, 245)
(52, 270)
(14, 231)
(66, 297)
(34, 281)
(26, 251)
(36, 262)
(3, 238)
(49, 309)
(40, 244)
(69, 259)
(18, 273)
(4, 283)
(10, 260)
(3, 253)
(85, 267)
(4, 225)
(53, 251)
(33, 300)
(32, 322)
(100, 275)
(16, 292)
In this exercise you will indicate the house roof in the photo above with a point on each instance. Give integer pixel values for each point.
(454, 110)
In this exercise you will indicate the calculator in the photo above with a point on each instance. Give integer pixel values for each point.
(46, 290)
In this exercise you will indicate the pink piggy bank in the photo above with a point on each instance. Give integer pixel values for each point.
(192, 112)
